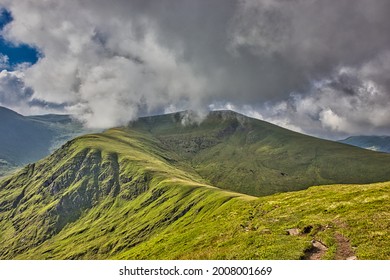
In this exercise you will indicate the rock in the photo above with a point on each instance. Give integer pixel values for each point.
(293, 231)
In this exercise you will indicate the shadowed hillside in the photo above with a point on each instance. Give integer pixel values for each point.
(374, 143)
(27, 139)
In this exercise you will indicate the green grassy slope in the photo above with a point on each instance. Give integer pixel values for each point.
(123, 194)
(112, 173)
(250, 156)
(256, 229)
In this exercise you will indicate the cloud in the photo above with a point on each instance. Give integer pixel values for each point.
(4, 61)
(108, 66)
(348, 103)
(13, 93)
(311, 66)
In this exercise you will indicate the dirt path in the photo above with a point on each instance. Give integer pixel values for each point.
(344, 250)
(316, 252)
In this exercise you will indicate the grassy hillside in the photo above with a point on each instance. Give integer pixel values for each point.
(352, 221)
(250, 156)
(123, 195)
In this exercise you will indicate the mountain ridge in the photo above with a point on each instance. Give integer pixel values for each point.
(26, 139)
(133, 193)
(373, 142)
(260, 151)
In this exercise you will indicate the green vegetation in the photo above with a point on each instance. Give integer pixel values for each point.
(148, 192)
(249, 156)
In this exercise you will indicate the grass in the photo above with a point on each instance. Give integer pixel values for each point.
(257, 158)
(128, 194)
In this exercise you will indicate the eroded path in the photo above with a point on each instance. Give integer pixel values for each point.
(344, 250)
(316, 252)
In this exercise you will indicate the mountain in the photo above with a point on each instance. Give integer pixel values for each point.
(375, 143)
(148, 191)
(254, 157)
(26, 139)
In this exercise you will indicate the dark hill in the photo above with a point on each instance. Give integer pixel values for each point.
(27, 139)
(374, 143)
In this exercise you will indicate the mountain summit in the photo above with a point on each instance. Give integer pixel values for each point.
(250, 156)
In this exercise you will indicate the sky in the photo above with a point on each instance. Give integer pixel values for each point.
(314, 66)
(12, 55)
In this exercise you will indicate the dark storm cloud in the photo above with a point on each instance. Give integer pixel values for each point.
(114, 60)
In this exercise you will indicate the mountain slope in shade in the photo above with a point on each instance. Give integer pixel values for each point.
(374, 143)
(122, 194)
(26, 139)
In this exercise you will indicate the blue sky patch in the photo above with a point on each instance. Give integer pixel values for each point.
(16, 54)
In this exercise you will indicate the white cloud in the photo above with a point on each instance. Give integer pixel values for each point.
(4, 61)
(348, 103)
(101, 67)
(13, 93)
(299, 64)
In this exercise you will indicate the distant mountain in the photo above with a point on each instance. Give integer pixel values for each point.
(374, 143)
(168, 187)
(26, 139)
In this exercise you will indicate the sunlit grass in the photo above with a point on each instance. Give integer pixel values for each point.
(127, 194)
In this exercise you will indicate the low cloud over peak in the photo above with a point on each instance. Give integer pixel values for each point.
(313, 66)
